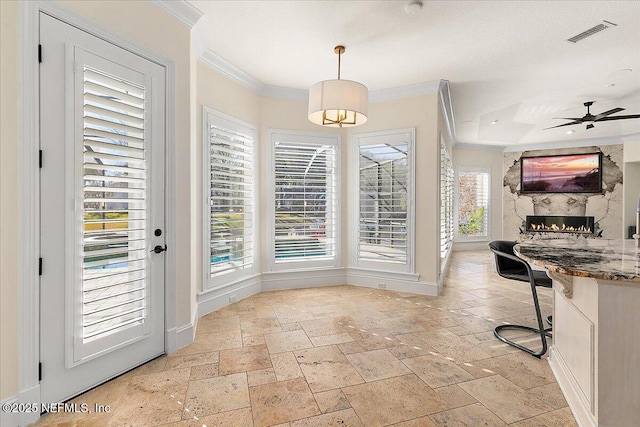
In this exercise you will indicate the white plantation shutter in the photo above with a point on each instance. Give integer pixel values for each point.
(383, 202)
(473, 203)
(114, 294)
(231, 165)
(305, 206)
(446, 202)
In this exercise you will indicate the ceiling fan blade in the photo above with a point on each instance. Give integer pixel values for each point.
(607, 113)
(566, 124)
(632, 116)
(577, 119)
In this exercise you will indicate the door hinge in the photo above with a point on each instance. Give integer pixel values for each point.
(40, 371)
(40, 158)
(39, 53)
(40, 267)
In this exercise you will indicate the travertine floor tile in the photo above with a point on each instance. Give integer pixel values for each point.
(331, 401)
(244, 359)
(280, 402)
(559, 418)
(206, 343)
(285, 366)
(467, 416)
(204, 396)
(191, 360)
(239, 417)
(152, 399)
(494, 391)
(260, 326)
(393, 400)
(521, 369)
(437, 371)
(549, 394)
(344, 418)
(326, 368)
(455, 396)
(377, 364)
(287, 341)
(201, 372)
(417, 422)
(208, 324)
(262, 376)
(325, 340)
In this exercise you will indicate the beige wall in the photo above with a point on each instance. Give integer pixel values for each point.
(492, 160)
(9, 241)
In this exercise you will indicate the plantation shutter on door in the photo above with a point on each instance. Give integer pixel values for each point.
(112, 302)
(304, 201)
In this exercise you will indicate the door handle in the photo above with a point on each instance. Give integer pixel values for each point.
(159, 249)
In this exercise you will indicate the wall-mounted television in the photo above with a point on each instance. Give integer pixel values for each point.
(565, 173)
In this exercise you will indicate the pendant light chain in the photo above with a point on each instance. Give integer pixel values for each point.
(339, 54)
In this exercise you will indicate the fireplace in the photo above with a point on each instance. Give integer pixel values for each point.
(560, 224)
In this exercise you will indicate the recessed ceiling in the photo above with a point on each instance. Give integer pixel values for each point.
(505, 60)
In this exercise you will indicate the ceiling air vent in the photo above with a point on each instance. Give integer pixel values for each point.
(591, 31)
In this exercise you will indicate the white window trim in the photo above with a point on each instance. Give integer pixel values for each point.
(308, 138)
(456, 235)
(209, 283)
(370, 138)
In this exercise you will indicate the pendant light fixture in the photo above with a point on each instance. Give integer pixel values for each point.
(338, 103)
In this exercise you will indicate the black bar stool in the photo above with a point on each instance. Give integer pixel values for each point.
(511, 267)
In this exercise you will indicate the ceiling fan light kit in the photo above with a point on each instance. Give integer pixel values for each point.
(590, 119)
(338, 103)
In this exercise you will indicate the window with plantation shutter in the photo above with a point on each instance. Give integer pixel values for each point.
(473, 203)
(114, 294)
(385, 198)
(304, 221)
(230, 189)
(446, 202)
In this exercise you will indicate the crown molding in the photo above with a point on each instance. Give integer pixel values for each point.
(447, 109)
(232, 72)
(182, 10)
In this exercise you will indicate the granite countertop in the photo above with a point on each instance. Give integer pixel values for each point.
(596, 258)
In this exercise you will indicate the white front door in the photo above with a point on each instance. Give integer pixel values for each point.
(102, 135)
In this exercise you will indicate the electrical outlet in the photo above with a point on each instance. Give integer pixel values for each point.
(382, 285)
(233, 298)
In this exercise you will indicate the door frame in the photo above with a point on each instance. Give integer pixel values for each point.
(29, 289)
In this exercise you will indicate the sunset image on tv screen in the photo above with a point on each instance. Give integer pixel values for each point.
(567, 173)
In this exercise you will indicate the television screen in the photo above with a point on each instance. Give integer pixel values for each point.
(567, 173)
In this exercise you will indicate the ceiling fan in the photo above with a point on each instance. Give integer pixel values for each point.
(602, 117)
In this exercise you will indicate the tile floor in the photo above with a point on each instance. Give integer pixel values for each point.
(347, 356)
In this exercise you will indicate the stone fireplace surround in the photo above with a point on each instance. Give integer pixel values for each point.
(605, 208)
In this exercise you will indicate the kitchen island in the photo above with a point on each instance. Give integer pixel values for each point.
(595, 355)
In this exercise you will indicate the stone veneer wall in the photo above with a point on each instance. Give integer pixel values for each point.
(606, 207)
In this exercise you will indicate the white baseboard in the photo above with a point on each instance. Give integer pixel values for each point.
(274, 281)
(30, 397)
(401, 282)
(9, 418)
(213, 300)
(577, 403)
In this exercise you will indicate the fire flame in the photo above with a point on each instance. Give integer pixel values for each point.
(563, 227)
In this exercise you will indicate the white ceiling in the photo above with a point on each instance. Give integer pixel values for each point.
(505, 60)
